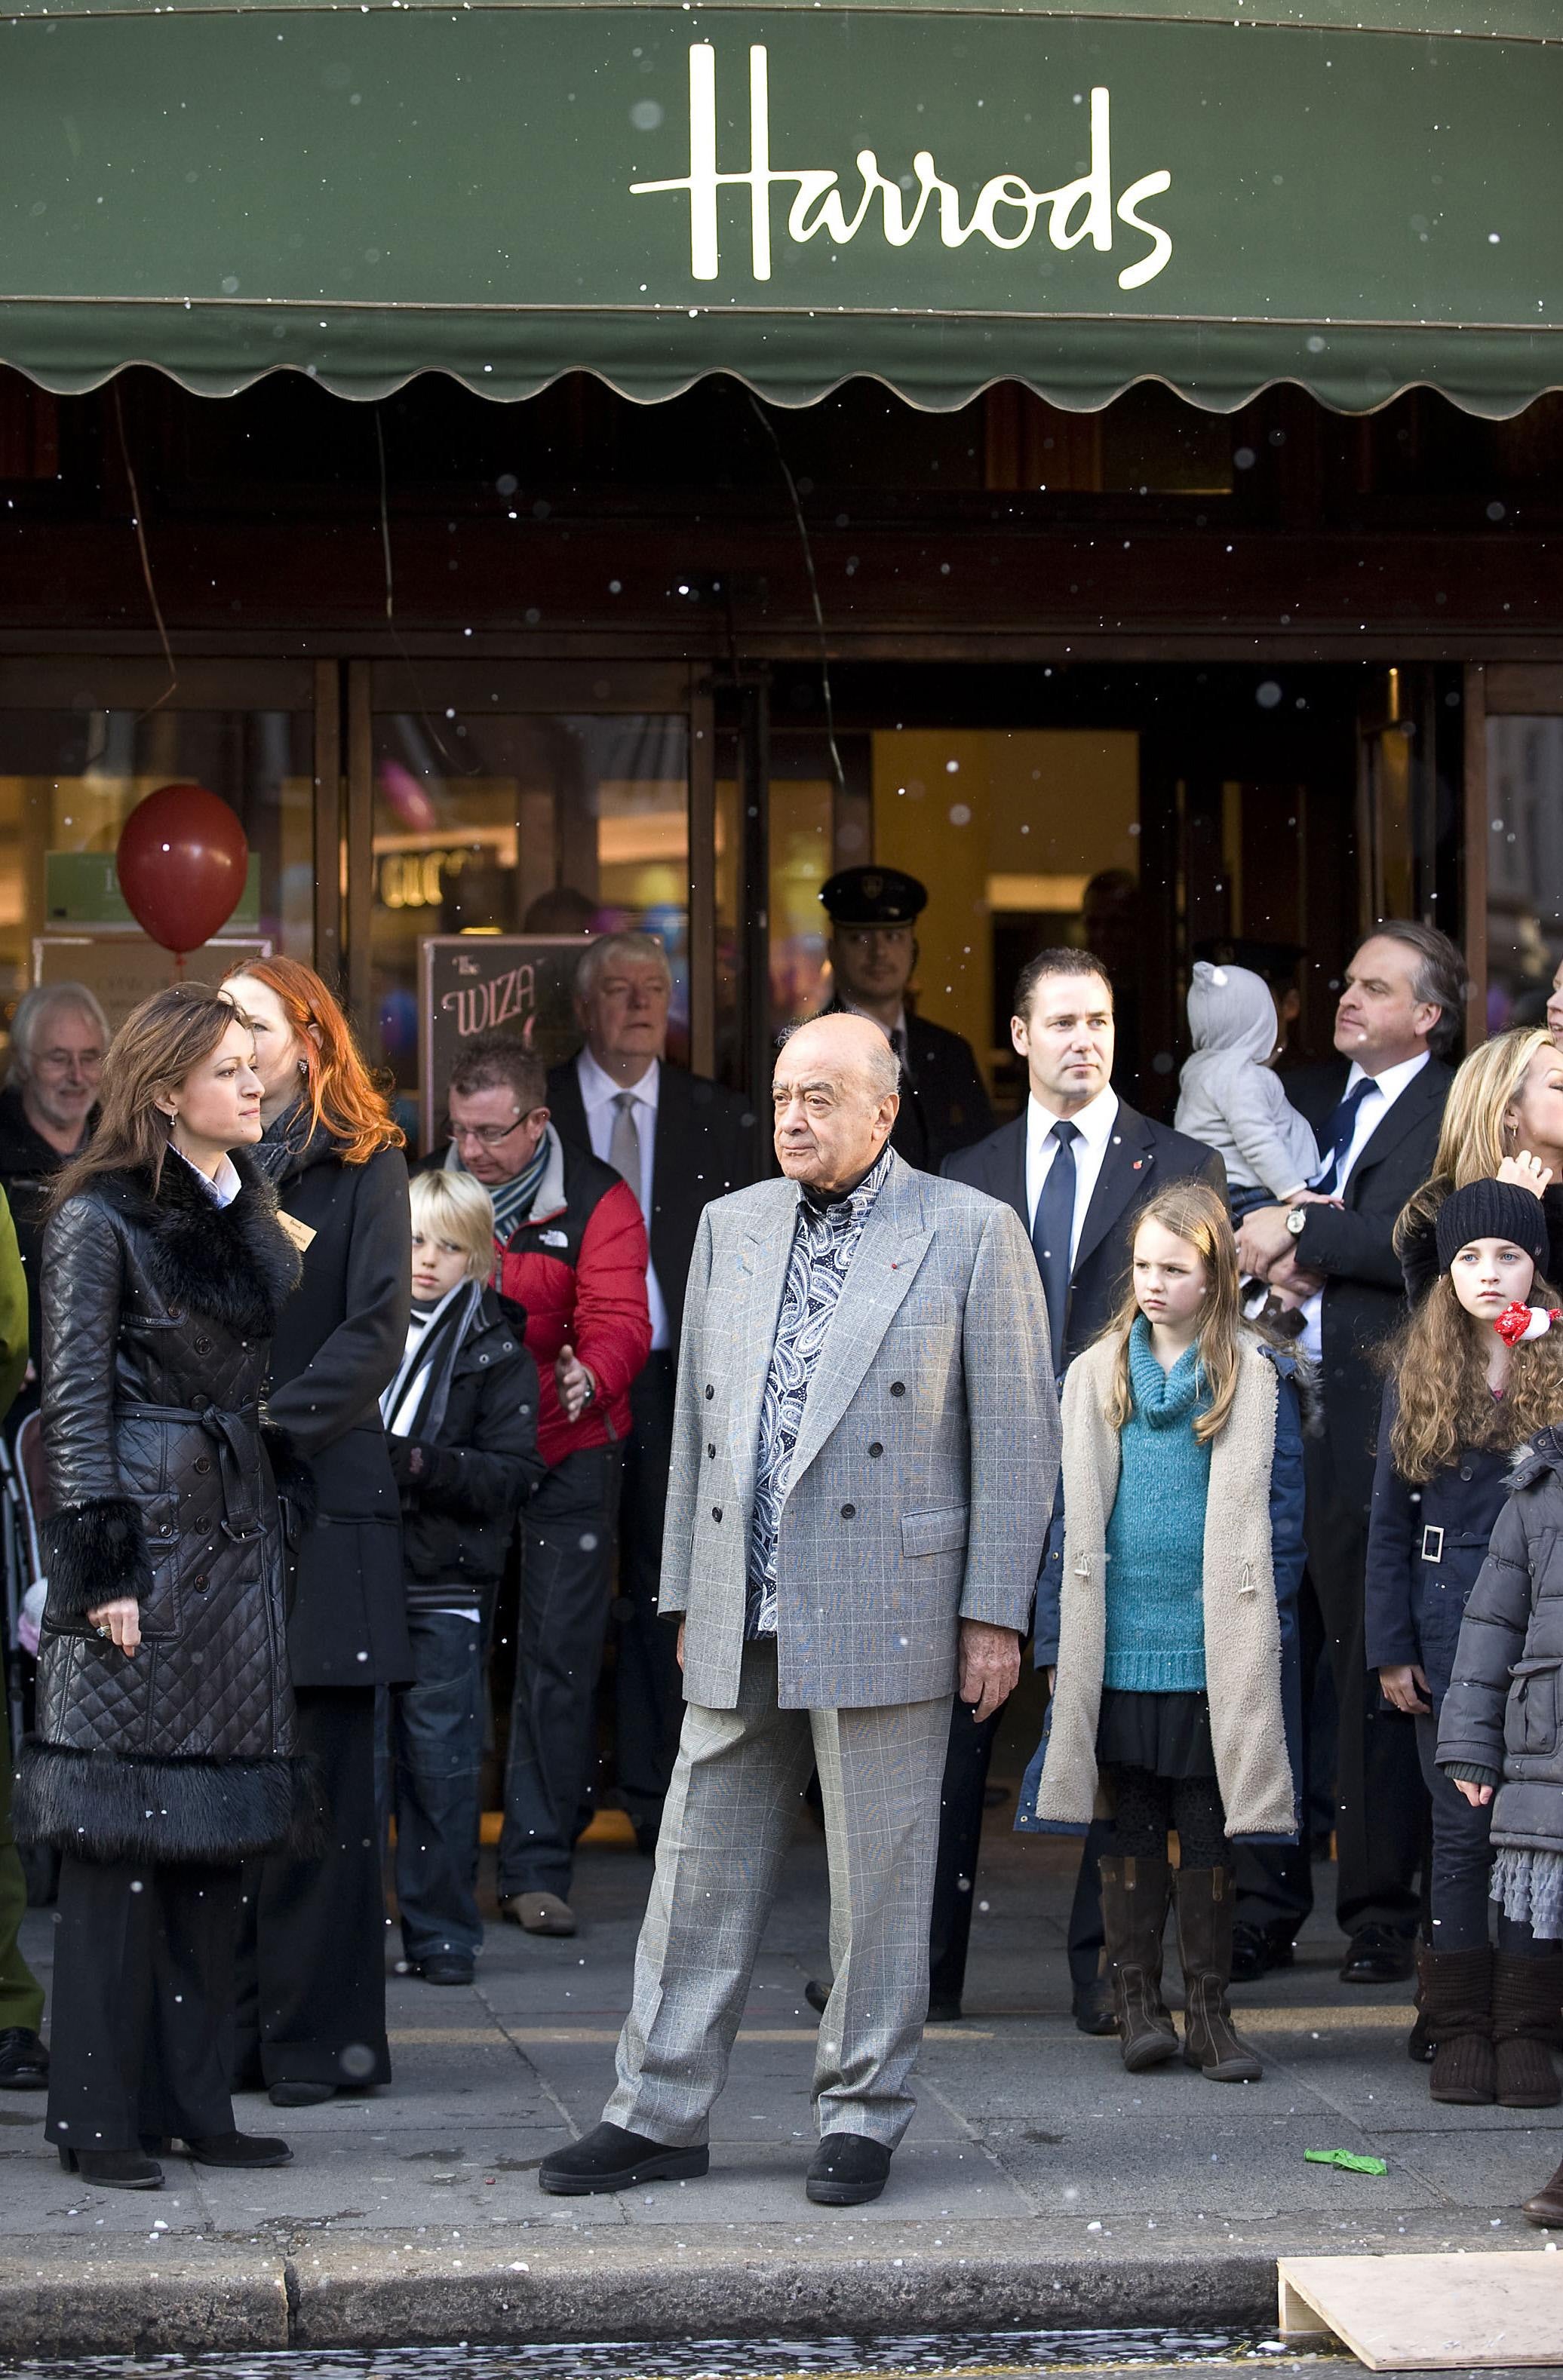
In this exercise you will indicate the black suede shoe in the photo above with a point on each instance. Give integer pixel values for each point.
(301, 2094)
(444, 1969)
(114, 2168)
(24, 2061)
(1378, 1956)
(244, 2152)
(611, 2158)
(1094, 2008)
(847, 2170)
(816, 1994)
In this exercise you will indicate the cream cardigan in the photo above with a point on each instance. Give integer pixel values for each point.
(1241, 1622)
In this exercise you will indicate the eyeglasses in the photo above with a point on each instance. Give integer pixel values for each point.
(63, 1062)
(489, 1135)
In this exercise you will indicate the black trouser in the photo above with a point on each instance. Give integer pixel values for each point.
(311, 2005)
(1276, 1880)
(144, 1980)
(649, 1690)
(960, 1838)
(566, 1581)
(1462, 1860)
(1381, 1802)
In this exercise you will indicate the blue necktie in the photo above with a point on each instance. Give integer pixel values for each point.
(1338, 1136)
(1053, 1230)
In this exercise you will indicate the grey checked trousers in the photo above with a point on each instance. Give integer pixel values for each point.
(727, 1821)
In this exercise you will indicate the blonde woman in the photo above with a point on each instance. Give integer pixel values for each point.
(1177, 1689)
(460, 1419)
(1502, 1122)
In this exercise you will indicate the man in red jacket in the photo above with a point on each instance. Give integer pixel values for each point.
(572, 1251)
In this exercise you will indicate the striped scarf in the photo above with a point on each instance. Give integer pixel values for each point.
(512, 1199)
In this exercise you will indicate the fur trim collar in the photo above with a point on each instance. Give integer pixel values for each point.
(1533, 1462)
(234, 1264)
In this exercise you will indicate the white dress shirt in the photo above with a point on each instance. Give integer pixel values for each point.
(1372, 1110)
(1094, 1123)
(222, 1187)
(598, 1092)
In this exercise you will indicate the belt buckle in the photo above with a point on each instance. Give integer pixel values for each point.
(1432, 1543)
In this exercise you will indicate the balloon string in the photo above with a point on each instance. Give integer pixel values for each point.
(146, 559)
(453, 767)
(769, 427)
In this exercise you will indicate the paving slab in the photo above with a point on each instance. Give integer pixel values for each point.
(1038, 2184)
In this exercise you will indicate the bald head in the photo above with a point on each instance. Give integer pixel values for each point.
(835, 1098)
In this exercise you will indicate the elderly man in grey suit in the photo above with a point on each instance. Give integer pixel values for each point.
(865, 1441)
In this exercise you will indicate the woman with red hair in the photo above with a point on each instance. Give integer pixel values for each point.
(312, 1998)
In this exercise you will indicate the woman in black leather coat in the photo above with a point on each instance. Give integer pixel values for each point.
(312, 1998)
(166, 1747)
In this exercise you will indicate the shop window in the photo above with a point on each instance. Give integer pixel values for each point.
(550, 825)
(1524, 866)
(70, 778)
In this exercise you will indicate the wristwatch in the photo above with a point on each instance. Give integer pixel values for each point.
(1296, 1218)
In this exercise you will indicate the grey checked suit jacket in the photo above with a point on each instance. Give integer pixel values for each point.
(923, 1473)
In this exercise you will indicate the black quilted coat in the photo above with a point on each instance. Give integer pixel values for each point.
(1504, 1709)
(158, 1313)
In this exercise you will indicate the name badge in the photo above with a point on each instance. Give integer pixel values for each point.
(299, 1233)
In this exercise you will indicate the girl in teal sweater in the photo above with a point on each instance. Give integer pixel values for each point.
(1176, 1689)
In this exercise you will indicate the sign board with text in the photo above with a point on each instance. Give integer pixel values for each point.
(468, 984)
(941, 196)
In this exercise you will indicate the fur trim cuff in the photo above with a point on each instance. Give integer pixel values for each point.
(295, 1477)
(158, 1811)
(93, 1553)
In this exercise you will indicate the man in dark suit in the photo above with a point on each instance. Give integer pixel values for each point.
(1376, 1112)
(874, 914)
(679, 1141)
(1077, 1166)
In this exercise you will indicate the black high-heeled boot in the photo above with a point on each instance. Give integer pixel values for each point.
(113, 2168)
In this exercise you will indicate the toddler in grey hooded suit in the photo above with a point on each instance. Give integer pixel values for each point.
(1229, 1097)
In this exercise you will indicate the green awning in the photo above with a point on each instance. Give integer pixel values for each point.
(1353, 196)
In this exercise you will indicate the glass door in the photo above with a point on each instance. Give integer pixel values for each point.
(503, 800)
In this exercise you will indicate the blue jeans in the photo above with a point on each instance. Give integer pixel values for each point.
(436, 1749)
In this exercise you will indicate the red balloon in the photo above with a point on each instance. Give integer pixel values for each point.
(182, 860)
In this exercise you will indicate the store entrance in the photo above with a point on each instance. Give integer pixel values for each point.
(1153, 815)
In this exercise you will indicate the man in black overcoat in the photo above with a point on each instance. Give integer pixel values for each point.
(679, 1140)
(1376, 1110)
(874, 914)
(1077, 1165)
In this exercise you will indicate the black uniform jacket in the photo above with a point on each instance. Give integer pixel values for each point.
(944, 1103)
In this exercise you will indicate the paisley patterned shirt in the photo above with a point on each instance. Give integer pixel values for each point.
(825, 1241)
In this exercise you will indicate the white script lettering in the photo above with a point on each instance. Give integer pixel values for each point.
(1005, 213)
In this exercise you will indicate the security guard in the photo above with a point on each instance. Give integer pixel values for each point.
(873, 912)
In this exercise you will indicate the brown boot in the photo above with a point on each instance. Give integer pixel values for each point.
(1545, 2210)
(1457, 1989)
(1134, 1897)
(1525, 1995)
(1204, 1945)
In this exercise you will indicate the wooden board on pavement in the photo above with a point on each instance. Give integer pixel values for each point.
(1429, 2313)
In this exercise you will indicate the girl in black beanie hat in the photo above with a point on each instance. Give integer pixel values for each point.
(1460, 1401)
